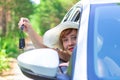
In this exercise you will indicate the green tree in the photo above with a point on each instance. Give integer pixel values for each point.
(12, 10)
(49, 13)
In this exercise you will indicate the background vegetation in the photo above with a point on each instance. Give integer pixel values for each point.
(43, 16)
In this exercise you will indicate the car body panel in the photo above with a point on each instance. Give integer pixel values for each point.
(82, 42)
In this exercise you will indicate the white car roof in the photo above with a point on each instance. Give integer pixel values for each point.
(104, 1)
(99, 1)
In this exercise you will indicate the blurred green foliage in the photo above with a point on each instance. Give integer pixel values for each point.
(11, 11)
(49, 13)
(4, 61)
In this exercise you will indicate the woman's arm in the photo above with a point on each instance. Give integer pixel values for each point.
(38, 40)
(34, 36)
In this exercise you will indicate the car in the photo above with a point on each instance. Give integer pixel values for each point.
(96, 55)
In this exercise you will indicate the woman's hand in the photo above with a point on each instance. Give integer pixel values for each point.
(26, 23)
(64, 55)
(64, 64)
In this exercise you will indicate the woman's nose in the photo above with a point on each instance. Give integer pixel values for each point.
(70, 42)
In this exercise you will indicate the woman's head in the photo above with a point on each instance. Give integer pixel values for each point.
(51, 37)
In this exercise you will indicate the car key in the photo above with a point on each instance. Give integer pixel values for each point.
(21, 40)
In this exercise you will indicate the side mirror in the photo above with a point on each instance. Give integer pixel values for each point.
(42, 62)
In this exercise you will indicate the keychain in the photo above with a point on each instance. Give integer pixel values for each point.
(21, 40)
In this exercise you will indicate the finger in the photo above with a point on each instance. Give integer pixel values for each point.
(25, 19)
(20, 22)
(64, 64)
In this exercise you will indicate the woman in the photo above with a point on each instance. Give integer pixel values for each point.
(61, 38)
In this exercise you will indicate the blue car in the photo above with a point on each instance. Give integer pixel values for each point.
(97, 53)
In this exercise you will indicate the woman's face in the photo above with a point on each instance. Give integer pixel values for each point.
(69, 40)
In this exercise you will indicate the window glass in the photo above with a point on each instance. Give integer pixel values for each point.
(107, 41)
(67, 15)
(76, 15)
(73, 14)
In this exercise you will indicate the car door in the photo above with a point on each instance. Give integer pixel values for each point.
(97, 52)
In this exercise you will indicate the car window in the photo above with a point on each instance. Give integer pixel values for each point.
(106, 41)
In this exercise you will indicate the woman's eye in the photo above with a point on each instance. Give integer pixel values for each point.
(64, 40)
(73, 37)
